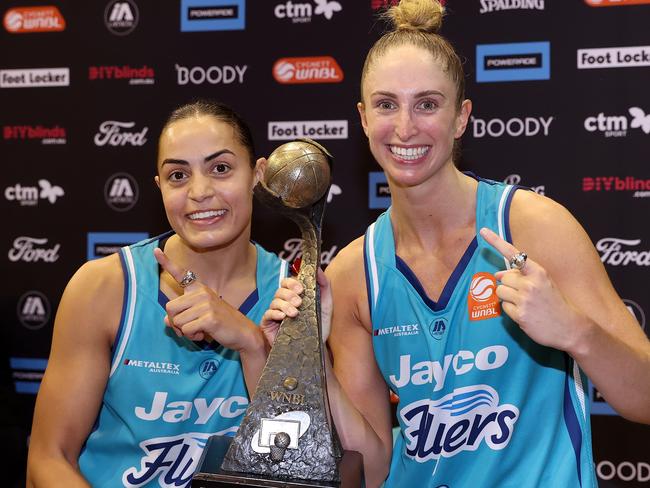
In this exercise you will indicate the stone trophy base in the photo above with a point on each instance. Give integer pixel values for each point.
(210, 475)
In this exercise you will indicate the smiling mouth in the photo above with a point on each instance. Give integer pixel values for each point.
(206, 214)
(409, 153)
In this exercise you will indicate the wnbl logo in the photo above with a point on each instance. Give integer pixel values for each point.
(459, 421)
(172, 460)
(121, 192)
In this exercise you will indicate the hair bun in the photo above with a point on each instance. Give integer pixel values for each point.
(421, 15)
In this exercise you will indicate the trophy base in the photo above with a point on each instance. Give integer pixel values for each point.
(210, 475)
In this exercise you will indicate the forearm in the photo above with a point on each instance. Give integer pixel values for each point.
(356, 433)
(44, 472)
(253, 358)
(619, 369)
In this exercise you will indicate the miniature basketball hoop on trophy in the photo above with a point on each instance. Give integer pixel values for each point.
(287, 435)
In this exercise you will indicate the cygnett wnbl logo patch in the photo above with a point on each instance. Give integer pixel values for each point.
(482, 300)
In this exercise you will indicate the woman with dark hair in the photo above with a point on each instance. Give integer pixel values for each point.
(484, 346)
(154, 346)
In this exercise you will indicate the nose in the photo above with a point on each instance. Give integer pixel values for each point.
(200, 188)
(405, 126)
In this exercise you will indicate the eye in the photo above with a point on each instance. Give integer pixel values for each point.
(176, 176)
(385, 105)
(428, 105)
(221, 168)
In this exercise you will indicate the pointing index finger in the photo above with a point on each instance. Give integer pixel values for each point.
(175, 271)
(504, 248)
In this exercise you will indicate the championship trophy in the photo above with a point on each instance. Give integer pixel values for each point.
(287, 437)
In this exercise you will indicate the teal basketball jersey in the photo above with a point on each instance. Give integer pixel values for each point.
(480, 403)
(166, 395)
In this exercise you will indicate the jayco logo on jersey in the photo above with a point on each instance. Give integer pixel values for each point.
(155, 366)
(182, 411)
(293, 249)
(303, 12)
(617, 125)
(172, 460)
(398, 330)
(30, 195)
(482, 300)
(435, 372)
(459, 421)
(612, 253)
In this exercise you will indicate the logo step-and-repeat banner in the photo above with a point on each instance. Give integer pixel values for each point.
(561, 105)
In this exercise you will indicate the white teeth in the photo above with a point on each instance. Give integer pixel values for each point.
(409, 153)
(206, 215)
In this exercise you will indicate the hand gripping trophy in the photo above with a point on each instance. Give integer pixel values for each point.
(287, 435)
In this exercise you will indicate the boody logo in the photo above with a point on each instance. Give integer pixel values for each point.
(482, 300)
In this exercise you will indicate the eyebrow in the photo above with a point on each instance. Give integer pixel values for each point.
(205, 160)
(417, 95)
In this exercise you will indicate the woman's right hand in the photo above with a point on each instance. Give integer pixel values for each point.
(286, 302)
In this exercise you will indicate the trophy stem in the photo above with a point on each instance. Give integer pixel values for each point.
(287, 431)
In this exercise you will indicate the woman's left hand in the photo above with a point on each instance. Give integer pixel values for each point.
(531, 298)
(199, 312)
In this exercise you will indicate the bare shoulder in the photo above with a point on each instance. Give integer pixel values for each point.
(348, 277)
(547, 231)
(94, 296)
(348, 259)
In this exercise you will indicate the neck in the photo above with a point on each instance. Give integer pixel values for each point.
(423, 216)
(220, 268)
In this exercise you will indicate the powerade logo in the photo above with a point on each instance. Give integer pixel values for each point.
(27, 374)
(212, 15)
(378, 190)
(459, 421)
(517, 61)
(102, 244)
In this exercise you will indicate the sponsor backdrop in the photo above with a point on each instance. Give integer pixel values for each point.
(561, 104)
